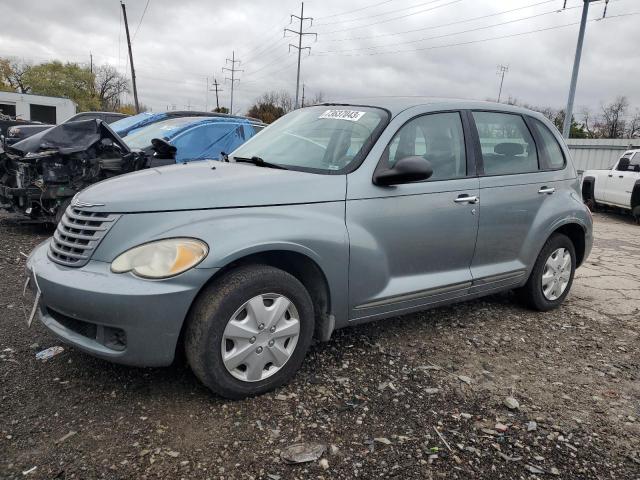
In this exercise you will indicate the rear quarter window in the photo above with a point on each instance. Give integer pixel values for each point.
(550, 149)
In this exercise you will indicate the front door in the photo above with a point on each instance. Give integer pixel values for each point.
(411, 245)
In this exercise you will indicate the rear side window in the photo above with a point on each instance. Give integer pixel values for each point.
(550, 149)
(439, 138)
(506, 143)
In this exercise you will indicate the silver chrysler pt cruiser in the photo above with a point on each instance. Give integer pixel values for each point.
(335, 214)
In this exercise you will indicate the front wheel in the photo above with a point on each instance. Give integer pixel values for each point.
(552, 274)
(248, 332)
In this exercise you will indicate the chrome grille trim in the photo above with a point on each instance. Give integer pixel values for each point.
(78, 234)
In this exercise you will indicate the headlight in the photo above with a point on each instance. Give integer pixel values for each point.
(162, 258)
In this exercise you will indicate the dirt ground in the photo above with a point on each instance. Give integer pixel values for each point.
(419, 396)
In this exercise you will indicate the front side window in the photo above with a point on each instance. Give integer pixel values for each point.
(550, 149)
(437, 137)
(506, 143)
(323, 139)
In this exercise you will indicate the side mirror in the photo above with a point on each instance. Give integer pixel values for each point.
(623, 164)
(405, 170)
(163, 149)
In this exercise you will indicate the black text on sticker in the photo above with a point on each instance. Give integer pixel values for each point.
(351, 115)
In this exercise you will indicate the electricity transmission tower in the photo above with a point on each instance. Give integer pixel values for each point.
(299, 47)
(502, 69)
(568, 113)
(233, 78)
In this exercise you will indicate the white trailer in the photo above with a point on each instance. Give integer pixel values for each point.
(36, 108)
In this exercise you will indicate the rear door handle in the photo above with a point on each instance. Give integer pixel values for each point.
(547, 190)
(464, 198)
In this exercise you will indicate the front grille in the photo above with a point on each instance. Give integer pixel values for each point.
(78, 234)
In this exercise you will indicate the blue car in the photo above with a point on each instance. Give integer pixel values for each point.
(195, 137)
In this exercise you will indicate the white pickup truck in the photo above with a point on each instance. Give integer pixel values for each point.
(617, 187)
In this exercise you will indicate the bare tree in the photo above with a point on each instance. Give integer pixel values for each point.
(318, 98)
(14, 72)
(633, 129)
(110, 85)
(612, 117)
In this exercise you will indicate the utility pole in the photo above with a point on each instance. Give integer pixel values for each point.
(502, 69)
(215, 87)
(302, 103)
(568, 112)
(299, 47)
(91, 62)
(133, 72)
(233, 78)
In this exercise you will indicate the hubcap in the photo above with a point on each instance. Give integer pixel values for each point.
(260, 337)
(556, 274)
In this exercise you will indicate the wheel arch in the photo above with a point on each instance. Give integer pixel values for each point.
(588, 188)
(297, 262)
(577, 234)
(635, 195)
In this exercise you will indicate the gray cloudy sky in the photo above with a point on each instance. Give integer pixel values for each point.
(364, 47)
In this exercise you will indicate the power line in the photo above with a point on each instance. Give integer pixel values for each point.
(300, 33)
(482, 40)
(356, 10)
(502, 69)
(485, 27)
(141, 18)
(378, 14)
(233, 71)
(391, 19)
(433, 27)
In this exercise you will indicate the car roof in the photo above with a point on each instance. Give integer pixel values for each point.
(397, 104)
(193, 113)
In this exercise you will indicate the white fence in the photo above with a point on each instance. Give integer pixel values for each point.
(599, 154)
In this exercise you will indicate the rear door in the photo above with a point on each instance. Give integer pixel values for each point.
(513, 187)
(411, 245)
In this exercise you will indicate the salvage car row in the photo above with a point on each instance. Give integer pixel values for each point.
(41, 173)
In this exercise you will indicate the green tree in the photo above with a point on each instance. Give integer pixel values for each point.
(267, 112)
(64, 80)
(220, 110)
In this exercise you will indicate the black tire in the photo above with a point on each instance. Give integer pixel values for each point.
(531, 293)
(215, 306)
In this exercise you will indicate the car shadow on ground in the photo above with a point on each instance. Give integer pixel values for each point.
(177, 380)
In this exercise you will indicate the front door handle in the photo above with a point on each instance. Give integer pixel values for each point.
(464, 198)
(547, 190)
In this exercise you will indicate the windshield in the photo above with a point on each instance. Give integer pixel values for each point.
(166, 130)
(326, 139)
(126, 123)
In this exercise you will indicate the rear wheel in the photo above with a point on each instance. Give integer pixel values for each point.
(552, 274)
(248, 332)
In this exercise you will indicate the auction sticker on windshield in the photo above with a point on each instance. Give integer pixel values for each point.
(351, 115)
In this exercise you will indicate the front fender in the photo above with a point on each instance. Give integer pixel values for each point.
(317, 231)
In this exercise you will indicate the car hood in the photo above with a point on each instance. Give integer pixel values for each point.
(209, 184)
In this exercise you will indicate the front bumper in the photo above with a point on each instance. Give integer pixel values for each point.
(117, 317)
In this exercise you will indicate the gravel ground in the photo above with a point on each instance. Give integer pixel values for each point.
(420, 396)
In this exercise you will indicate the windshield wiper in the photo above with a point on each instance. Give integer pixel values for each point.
(259, 162)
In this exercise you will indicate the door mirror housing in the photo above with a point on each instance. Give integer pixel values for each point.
(623, 164)
(405, 170)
